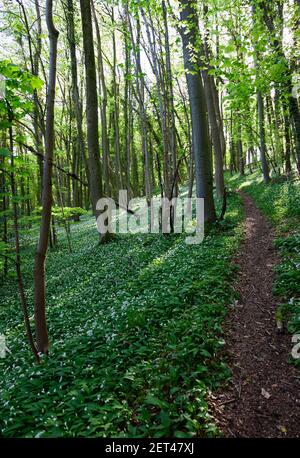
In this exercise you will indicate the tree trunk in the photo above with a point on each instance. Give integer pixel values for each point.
(262, 135)
(40, 257)
(103, 106)
(260, 110)
(203, 163)
(140, 84)
(214, 116)
(17, 242)
(96, 191)
(79, 151)
(116, 117)
(241, 162)
(218, 154)
(127, 132)
(37, 116)
(170, 98)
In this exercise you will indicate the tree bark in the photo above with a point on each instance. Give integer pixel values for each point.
(79, 152)
(218, 154)
(103, 106)
(96, 190)
(140, 85)
(203, 163)
(23, 300)
(241, 162)
(40, 257)
(261, 111)
(262, 136)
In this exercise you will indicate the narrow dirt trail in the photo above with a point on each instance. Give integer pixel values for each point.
(258, 355)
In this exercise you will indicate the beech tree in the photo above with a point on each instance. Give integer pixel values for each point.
(41, 252)
(94, 166)
(202, 152)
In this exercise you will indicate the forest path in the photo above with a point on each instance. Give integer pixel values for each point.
(263, 398)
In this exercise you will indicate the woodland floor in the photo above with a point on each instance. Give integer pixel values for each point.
(263, 397)
(137, 335)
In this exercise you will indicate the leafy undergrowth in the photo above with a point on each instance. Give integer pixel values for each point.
(135, 327)
(280, 202)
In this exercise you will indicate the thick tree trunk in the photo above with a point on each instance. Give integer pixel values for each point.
(96, 191)
(203, 163)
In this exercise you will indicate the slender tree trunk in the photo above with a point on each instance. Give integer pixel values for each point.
(142, 110)
(288, 165)
(213, 114)
(232, 165)
(127, 132)
(116, 117)
(240, 152)
(37, 117)
(17, 242)
(262, 136)
(161, 95)
(40, 257)
(261, 115)
(4, 206)
(274, 134)
(170, 97)
(103, 106)
(218, 154)
(79, 151)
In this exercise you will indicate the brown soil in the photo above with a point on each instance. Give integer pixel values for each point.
(258, 354)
